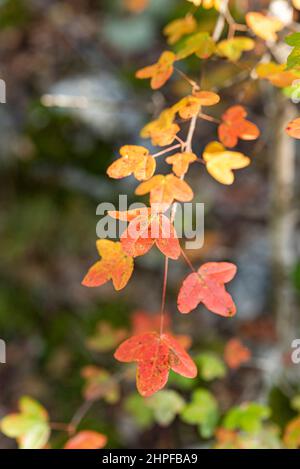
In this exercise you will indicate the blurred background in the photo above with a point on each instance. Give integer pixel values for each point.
(72, 101)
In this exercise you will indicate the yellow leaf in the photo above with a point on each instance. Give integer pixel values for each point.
(181, 162)
(162, 130)
(134, 160)
(180, 27)
(276, 74)
(264, 26)
(159, 72)
(200, 44)
(220, 162)
(234, 47)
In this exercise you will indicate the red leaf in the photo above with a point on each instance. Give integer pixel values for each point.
(236, 353)
(235, 126)
(207, 286)
(86, 439)
(155, 355)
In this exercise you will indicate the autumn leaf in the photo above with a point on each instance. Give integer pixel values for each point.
(162, 130)
(235, 353)
(86, 439)
(234, 47)
(181, 162)
(136, 6)
(178, 28)
(291, 435)
(293, 128)
(293, 60)
(114, 265)
(234, 126)
(276, 74)
(165, 189)
(200, 44)
(146, 228)
(30, 426)
(190, 106)
(264, 26)
(100, 384)
(134, 160)
(207, 286)
(160, 72)
(220, 162)
(155, 355)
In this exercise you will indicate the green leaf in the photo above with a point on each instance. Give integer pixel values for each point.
(166, 405)
(200, 44)
(210, 366)
(247, 417)
(142, 414)
(202, 411)
(30, 426)
(293, 39)
(293, 60)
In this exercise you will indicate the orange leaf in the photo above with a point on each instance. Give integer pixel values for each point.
(276, 74)
(135, 159)
(190, 106)
(293, 128)
(264, 26)
(235, 126)
(165, 189)
(155, 355)
(291, 436)
(145, 228)
(86, 439)
(181, 162)
(207, 286)
(163, 130)
(159, 72)
(236, 353)
(180, 27)
(115, 265)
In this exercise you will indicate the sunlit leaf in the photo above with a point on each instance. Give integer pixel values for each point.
(135, 160)
(220, 162)
(160, 72)
(200, 44)
(165, 189)
(114, 265)
(234, 47)
(162, 130)
(179, 28)
(265, 27)
(235, 125)
(181, 162)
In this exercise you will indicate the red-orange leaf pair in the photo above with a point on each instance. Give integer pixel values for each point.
(145, 229)
(155, 355)
(115, 265)
(235, 126)
(135, 160)
(207, 286)
(159, 72)
(86, 439)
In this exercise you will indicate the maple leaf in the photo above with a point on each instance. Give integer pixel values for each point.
(160, 72)
(207, 286)
(86, 439)
(235, 126)
(293, 128)
(115, 265)
(162, 130)
(180, 162)
(100, 384)
(165, 189)
(179, 27)
(134, 160)
(200, 44)
(155, 355)
(220, 162)
(234, 47)
(235, 353)
(264, 26)
(276, 74)
(146, 228)
(190, 106)
(30, 426)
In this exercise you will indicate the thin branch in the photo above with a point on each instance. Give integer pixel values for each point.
(163, 299)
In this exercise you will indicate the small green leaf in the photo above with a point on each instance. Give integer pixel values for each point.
(202, 411)
(166, 405)
(210, 366)
(247, 417)
(200, 44)
(142, 414)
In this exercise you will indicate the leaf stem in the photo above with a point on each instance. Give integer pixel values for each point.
(163, 299)
(166, 150)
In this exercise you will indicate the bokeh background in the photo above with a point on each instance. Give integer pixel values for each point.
(72, 101)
